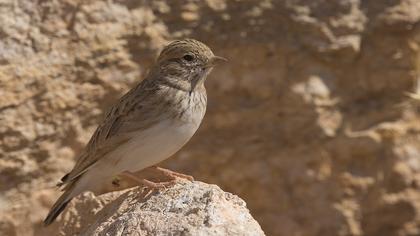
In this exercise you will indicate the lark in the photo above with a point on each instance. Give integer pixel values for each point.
(147, 125)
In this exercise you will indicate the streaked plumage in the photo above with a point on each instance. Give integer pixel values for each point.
(148, 124)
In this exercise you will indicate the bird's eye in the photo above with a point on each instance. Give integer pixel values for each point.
(188, 57)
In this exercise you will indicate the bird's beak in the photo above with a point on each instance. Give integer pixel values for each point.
(215, 60)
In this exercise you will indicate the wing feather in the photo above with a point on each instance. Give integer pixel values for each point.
(116, 129)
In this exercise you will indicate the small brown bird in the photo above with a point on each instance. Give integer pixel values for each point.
(148, 124)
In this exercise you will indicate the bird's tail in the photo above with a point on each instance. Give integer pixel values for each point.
(60, 204)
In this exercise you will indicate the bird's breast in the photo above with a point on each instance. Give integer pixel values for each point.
(191, 107)
(150, 146)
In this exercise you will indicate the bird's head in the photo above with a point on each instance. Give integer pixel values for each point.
(186, 63)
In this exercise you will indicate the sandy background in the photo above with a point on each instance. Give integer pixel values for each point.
(309, 122)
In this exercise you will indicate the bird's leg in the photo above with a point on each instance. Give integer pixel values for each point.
(147, 183)
(172, 174)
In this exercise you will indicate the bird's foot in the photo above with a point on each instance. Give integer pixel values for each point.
(156, 186)
(147, 183)
(172, 174)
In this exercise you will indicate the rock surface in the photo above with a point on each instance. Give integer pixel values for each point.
(309, 122)
(188, 208)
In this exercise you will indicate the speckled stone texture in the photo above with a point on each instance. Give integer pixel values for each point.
(188, 208)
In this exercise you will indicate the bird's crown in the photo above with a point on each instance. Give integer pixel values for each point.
(187, 49)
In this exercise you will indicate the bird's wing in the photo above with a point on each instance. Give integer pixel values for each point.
(128, 115)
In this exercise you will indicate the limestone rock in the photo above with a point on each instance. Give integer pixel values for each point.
(188, 208)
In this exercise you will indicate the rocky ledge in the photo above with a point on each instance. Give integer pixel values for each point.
(187, 208)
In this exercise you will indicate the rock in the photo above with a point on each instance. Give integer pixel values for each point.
(188, 208)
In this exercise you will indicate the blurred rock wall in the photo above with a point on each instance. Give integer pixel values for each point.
(309, 122)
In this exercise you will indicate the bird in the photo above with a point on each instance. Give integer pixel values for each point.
(147, 125)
